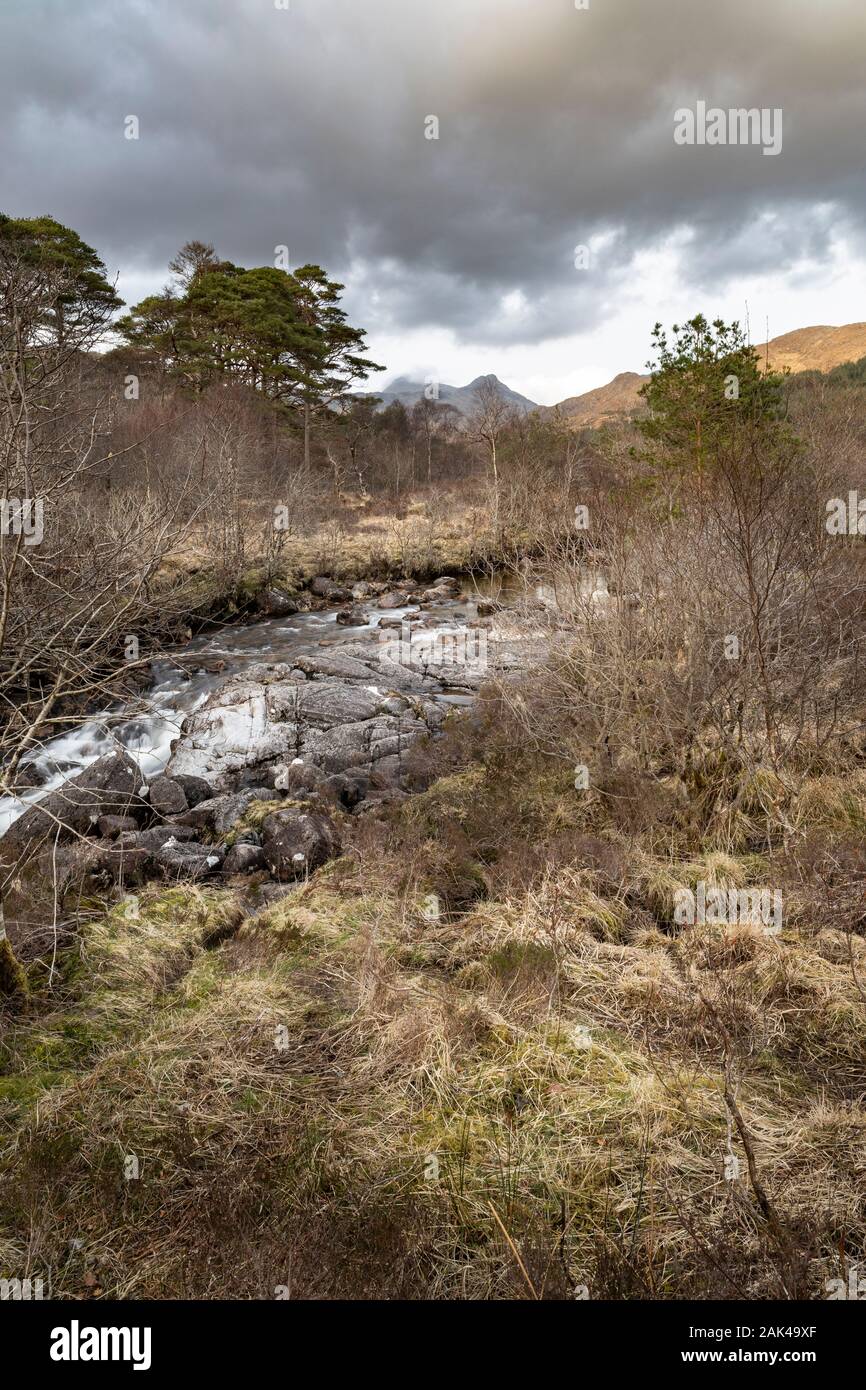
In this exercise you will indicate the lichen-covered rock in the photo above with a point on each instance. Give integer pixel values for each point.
(296, 842)
(221, 813)
(179, 859)
(153, 839)
(244, 858)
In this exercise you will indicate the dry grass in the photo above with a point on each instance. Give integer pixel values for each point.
(519, 1098)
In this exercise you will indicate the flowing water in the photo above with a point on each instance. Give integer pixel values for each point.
(147, 726)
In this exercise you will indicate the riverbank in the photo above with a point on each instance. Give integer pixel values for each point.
(475, 1052)
(470, 1057)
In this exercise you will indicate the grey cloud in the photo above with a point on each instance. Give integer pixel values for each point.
(306, 127)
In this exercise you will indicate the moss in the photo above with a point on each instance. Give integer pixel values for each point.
(70, 1043)
(20, 1092)
(13, 980)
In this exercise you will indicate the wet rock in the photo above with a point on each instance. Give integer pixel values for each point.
(352, 617)
(29, 775)
(232, 733)
(244, 858)
(392, 600)
(296, 842)
(108, 787)
(167, 797)
(323, 587)
(276, 603)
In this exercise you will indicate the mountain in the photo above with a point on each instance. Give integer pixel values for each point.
(806, 349)
(404, 389)
(603, 403)
(817, 349)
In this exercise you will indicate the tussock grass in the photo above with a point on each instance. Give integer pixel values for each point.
(344, 1095)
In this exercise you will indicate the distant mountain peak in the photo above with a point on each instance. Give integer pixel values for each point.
(405, 389)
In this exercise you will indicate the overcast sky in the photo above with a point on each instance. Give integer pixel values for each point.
(306, 126)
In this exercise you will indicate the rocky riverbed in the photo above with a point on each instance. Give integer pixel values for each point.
(248, 766)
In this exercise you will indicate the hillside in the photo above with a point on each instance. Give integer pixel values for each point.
(817, 349)
(603, 403)
(805, 349)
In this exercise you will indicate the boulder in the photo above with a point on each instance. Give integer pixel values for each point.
(276, 604)
(195, 789)
(149, 841)
(221, 813)
(189, 861)
(296, 842)
(112, 826)
(352, 617)
(323, 587)
(299, 776)
(167, 797)
(392, 600)
(243, 858)
(349, 787)
(133, 856)
(108, 787)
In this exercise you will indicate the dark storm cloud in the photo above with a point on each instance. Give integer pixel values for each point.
(262, 126)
